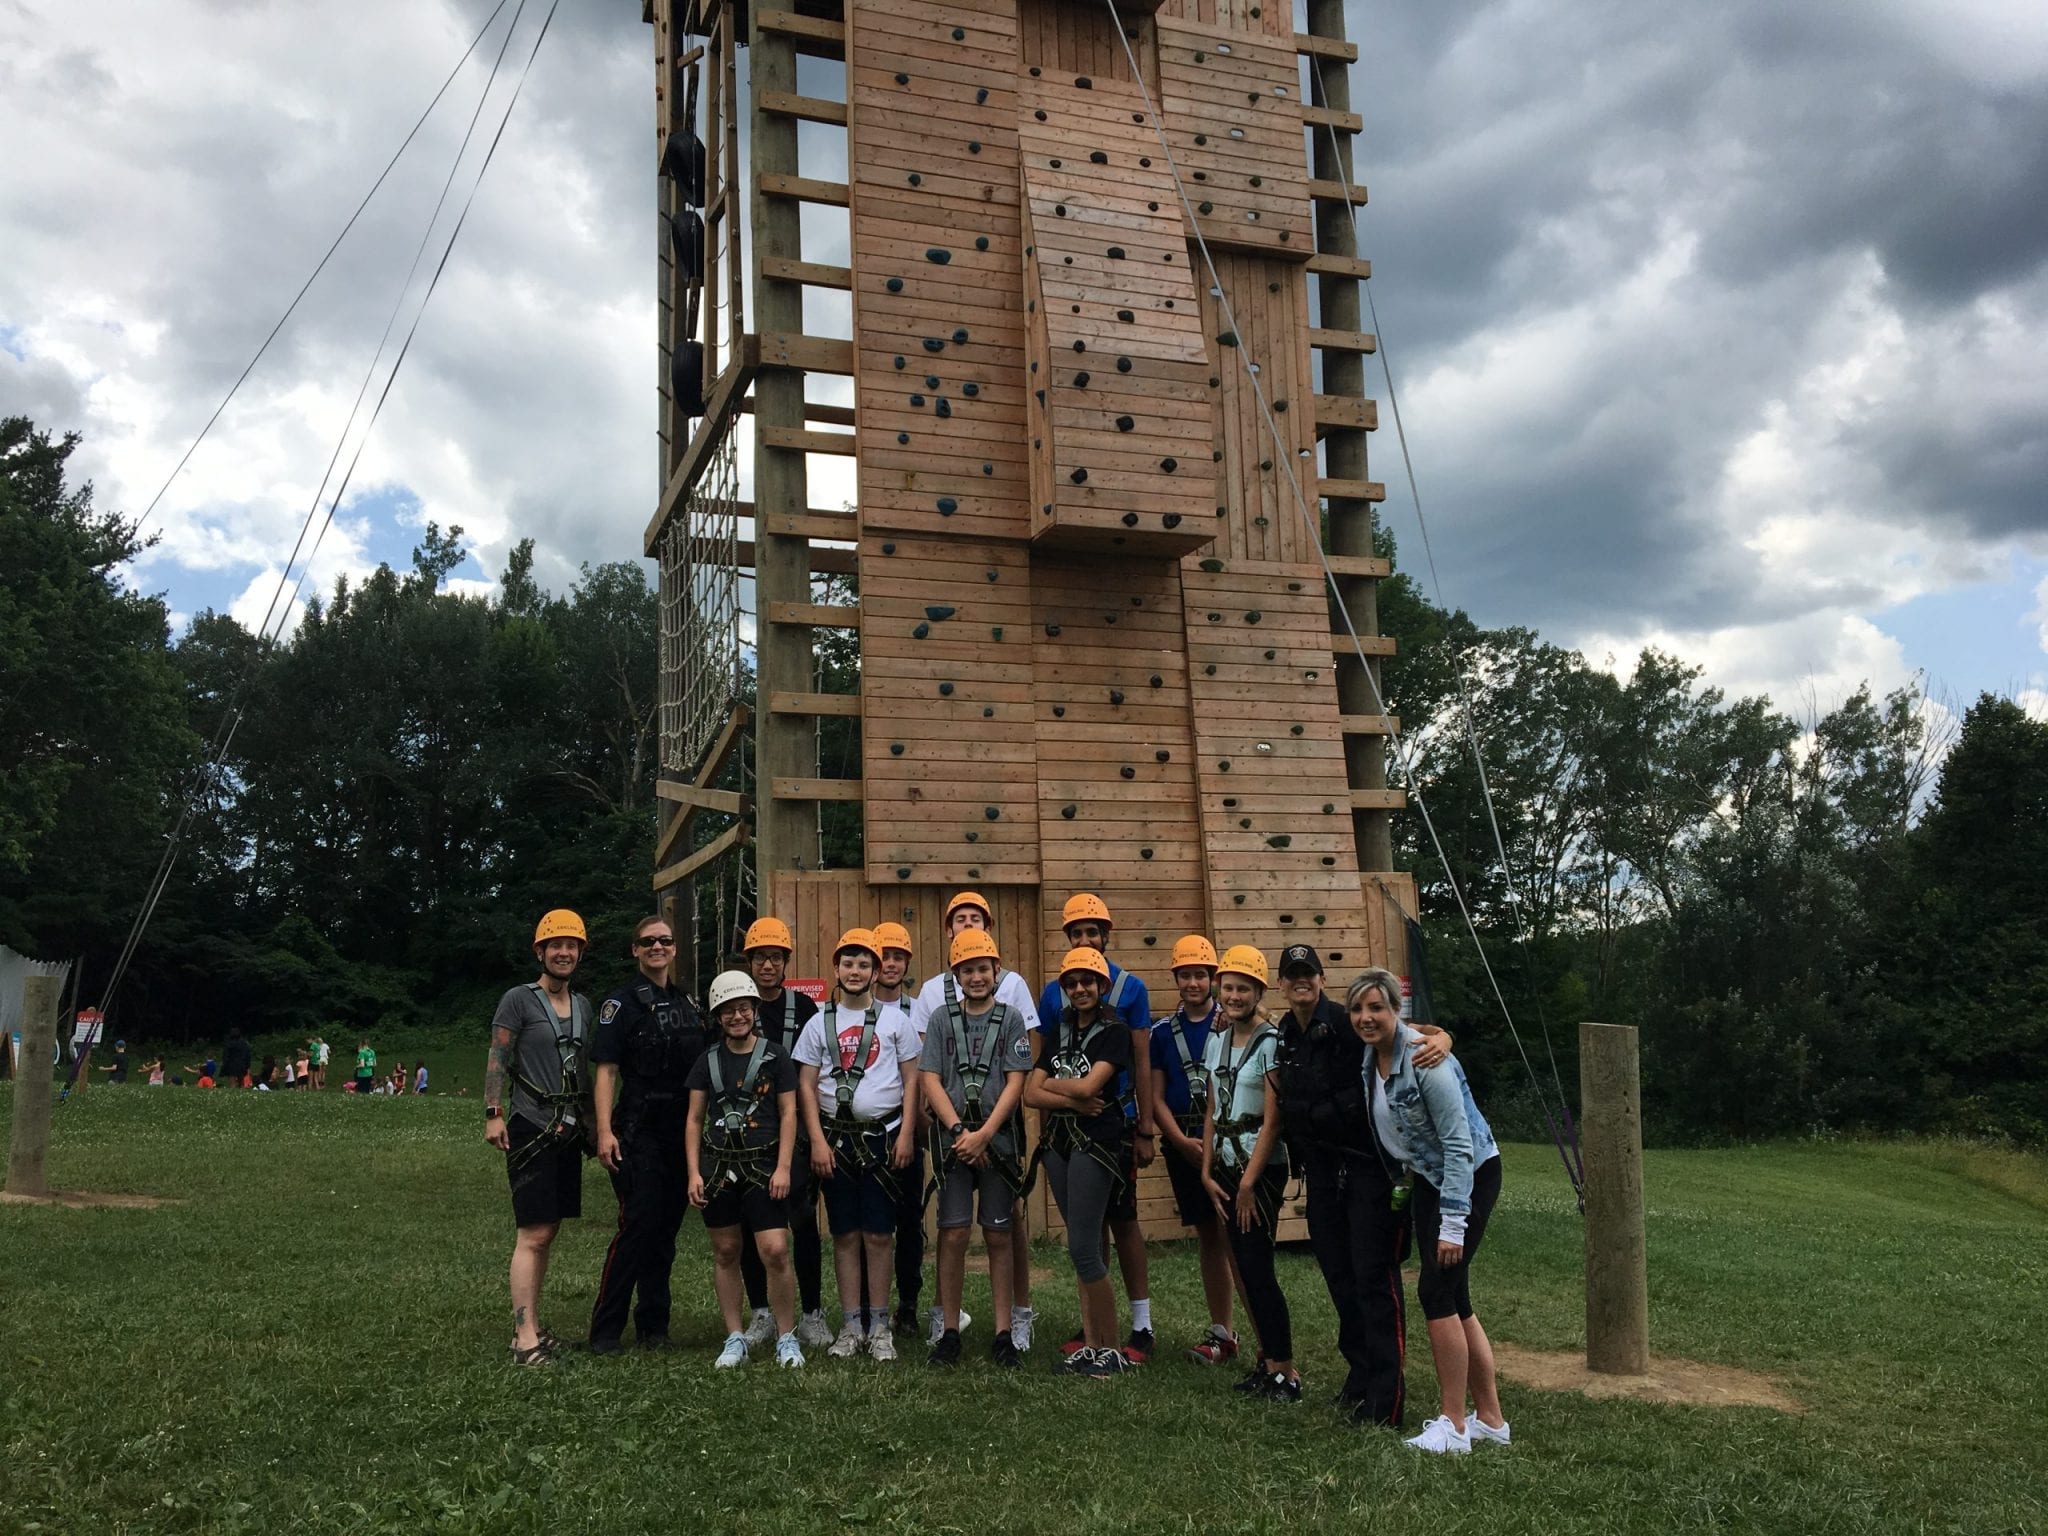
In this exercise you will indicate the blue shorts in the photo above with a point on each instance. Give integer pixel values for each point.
(856, 1200)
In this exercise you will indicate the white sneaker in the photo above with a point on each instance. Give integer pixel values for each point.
(935, 1324)
(1020, 1329)
(849, 1342)
(734, 1353)
(762, 1328)
(882, 1343)
(812, 1329)
(1479, 1432)
(788, 1353)
(1443, 1438)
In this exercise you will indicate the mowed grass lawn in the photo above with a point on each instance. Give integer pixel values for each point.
(314, 1340)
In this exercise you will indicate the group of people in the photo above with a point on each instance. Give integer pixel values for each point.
(891, 1095)
(307, 1068)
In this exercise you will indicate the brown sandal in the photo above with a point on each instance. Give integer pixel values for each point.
(541, 1354)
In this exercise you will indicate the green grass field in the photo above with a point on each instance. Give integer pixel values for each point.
(313, 1339)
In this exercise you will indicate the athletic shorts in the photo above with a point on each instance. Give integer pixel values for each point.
(547, 1185)
(957, 1198)
(1448, 1292)
(856, 1199)
(1123, 1205)
(1189, 1197)
(748, 1206)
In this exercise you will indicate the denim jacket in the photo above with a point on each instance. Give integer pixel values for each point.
(1433, 1110)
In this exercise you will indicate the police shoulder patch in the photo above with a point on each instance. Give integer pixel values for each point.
(609, 1011)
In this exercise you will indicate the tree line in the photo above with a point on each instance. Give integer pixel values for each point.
(1830, 923)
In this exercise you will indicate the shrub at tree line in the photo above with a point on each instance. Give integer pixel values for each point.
(1829, 924)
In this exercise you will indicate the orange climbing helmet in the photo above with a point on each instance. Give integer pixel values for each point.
(560, 924)
(1245, 960)
(972, 899)
(1087, 907)
(893, 936)
(1193, 950)
(974, 944)
(769, 933)
(1085, 959)
(858, 938)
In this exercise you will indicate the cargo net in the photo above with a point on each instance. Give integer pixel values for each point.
(700, 592)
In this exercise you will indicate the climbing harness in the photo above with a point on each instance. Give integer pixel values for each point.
(977, 1064)
(733, 1161)
(564, 1105)
(861, 1142)
(1064, 1133)
(1196, 1073)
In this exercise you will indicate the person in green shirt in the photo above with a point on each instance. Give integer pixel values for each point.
(366, 1068)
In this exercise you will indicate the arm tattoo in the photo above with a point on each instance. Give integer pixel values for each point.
(498, 1070)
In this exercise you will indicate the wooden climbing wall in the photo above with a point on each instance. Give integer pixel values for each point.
(1095, 643)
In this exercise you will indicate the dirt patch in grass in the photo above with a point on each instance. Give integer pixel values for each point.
(1669, 1381)
(83, 1200)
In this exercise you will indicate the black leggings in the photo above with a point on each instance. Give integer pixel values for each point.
(1448, 1292)
(1252, 1252)
(806, 1254)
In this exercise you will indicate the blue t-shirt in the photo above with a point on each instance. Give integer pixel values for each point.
(1136, 1009)
(1166, 1055)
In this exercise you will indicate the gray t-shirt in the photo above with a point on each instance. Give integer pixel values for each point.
(1010, 1051)
(544, 1044)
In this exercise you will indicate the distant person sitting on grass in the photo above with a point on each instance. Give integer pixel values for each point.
(1425, 1117)
(265, 1073)
(533, 1112)
(366, 1067)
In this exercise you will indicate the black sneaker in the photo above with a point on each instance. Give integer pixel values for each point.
(1254, 1383)
(605, 1347)
(653, 1340)
(1282, 1389)
(947, 1350)
(1139, 1346)
(1004, 1351)
(904, 1325)
(1107, 1362)
(1075, 1364)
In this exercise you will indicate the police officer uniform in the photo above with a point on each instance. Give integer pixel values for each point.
(654, 1036)
(1358, 1236)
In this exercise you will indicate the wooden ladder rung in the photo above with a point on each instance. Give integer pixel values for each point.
(815, 354)
(806, 189)
(816, 615)
(825, 561)
(1352, 490)
(1352, 192)
(1327, 264)
(807, 525)
(818, 274)
(1379, 799)
(1326, 47)
(1360, 565)
(809, 109)
(797, 440)
(816, 789)
(1346, 412)
(846, 705)
(1331, 117)
(1372, 645)
(1372, 725)
(813, 35)
(1342, 341)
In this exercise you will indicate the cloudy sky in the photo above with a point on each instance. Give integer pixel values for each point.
(1720, 328)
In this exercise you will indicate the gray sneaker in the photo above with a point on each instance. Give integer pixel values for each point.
(1481, 1433)
(761, 1329)
(812, 1329)
(935, 1324)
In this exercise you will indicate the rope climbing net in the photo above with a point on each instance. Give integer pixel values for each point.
(700, 596)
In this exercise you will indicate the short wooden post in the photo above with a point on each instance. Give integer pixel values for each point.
(30, 1147)
(1617, 1268)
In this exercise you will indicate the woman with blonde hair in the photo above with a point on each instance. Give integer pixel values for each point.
(1425, 1118)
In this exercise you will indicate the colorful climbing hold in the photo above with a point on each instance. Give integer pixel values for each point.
(920, 631)
(1068, 811)
(945, 690)
(1128, 771)
(938, 613)
(937, 256)
(1125, 423)
(948, 506)
(894, 285)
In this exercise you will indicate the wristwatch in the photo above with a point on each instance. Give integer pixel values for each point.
(492, 1112)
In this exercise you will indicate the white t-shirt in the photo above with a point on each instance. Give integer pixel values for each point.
(879, 1094)
(1010, 988)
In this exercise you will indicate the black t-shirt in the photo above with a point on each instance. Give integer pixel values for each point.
(1063, 1053)
(120, 1065)
(764, 1112)
(783, 1020)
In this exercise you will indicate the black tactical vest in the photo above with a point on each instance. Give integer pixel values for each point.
(662, 1044)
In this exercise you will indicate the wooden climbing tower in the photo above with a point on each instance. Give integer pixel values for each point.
(1097, 645)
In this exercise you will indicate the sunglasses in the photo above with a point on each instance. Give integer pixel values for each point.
(1074, 983)
(657, 941)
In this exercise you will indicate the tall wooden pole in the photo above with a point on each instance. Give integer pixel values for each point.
(1617, 1268)
(30, 1146)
